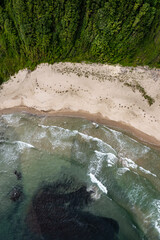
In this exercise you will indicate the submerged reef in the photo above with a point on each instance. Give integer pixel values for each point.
(57, 212)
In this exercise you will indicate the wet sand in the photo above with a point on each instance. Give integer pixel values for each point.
(97, 118)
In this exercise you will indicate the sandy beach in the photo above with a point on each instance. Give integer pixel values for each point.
(124, 98)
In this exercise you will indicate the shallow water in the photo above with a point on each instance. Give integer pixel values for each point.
(123, 173)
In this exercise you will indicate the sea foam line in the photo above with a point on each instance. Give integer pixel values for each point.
(19, 143)
(23, 144)
(117, 135)
(99, 184)
(128, 163)
(83, 135)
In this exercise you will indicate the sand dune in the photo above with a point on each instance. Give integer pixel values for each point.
(125, 97)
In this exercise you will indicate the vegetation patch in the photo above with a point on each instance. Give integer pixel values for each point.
(137, 86)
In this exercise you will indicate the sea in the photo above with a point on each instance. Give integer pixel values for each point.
(69, 178)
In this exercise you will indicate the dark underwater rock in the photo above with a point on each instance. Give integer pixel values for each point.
(59, 216)
(18, 175)
(16, 194)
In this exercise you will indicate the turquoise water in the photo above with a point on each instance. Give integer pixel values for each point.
(124, 174)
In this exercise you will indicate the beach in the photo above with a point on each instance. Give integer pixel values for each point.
(125, 98)
(81, 126)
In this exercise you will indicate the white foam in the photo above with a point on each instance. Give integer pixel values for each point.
(110, 158)
(154, 216)
(123, 142)
(121, 171)
(102, 145)
(43, 126)
(115, 133)
(96, 163)
(20, 144)
(103, 153)
(95, 124)
(65, 133)
(157, 222)
(147, 171)
(99, 184)
(126, 162)
(95, 192)
(9, 151)
(42, 135)
(11, 118)
(58, 136)
(136, 194)
(99, 159)
(23, 145)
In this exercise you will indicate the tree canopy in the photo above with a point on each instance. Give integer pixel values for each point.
(114, 31)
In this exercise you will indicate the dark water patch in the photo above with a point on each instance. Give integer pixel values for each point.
(58, 213)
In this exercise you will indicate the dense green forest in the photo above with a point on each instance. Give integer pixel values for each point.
(113, 31)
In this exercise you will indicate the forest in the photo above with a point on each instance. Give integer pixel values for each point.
(112, 31)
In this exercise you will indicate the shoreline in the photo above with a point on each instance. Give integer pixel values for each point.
(132, 132)
(123, 98)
